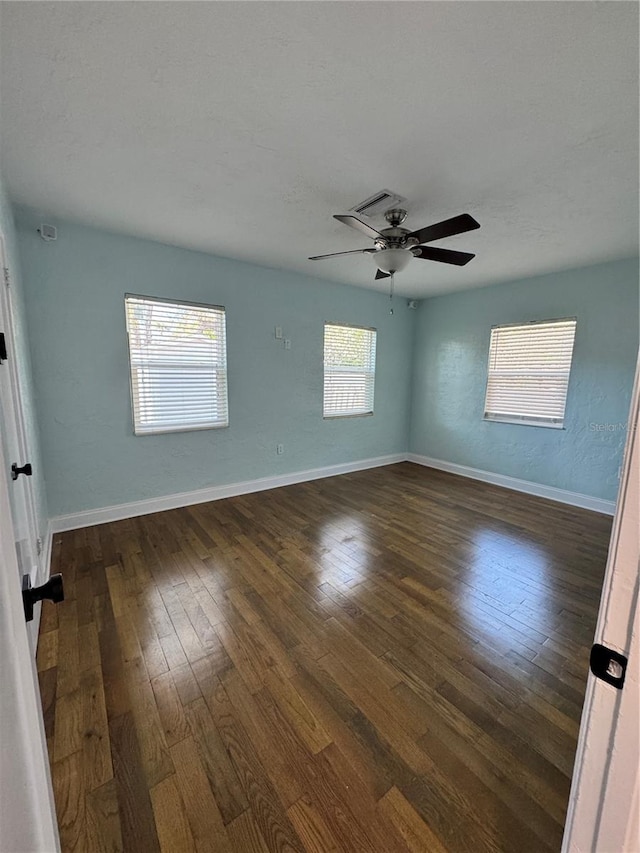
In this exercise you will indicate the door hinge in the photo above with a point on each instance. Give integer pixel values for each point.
(3, 348)
(7, 277)
(608, 665)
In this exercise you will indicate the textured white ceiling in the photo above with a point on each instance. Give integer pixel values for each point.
(239, 128)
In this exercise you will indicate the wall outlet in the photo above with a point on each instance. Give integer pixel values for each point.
(279, 449)
(287, 344)
(279, 332)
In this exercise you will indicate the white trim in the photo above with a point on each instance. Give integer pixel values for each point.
(43, 571)
(549, 492)
(498, 419)
(27, 808)
(87, 518)
(14, 407)
(103, 515)
(603, 802)
(44, 560)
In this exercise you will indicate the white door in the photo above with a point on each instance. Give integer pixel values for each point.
(604, 804)
(13, 441)
(27, 812)
(14, 433)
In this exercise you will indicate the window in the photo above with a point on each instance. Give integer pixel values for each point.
(528, 375)
(349, 370)
(178, 360)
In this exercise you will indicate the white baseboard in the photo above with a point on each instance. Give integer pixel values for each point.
(88, 518)
(549, 492)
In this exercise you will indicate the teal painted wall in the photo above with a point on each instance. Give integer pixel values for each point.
(450, 371)
(75, 306)
(430, 383)
(21, 343)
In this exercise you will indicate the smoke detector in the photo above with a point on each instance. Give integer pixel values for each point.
(377, 203)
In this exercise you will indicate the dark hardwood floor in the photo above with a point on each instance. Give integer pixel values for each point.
(384, 661)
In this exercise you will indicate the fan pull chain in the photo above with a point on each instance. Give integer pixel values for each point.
(391, 296)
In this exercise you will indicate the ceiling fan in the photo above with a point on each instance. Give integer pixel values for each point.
(395, 246)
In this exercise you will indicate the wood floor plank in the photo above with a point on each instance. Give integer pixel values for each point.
(103, 819)
(266, 805)
(359, 798)
(343, 722)
(116, 694)
(417, 835)
(521, 823)
(68, 647)
(223, 779)
(134, 804)
(47, 682)
(49, 612)
(245, 836)
(47, 656)
(275, 760)
(174, 833)
(298, 713)
(68, 724)
(201, 806)
(376, 710)
(186, 683)
(388, 660)
(170, 709)
(70, 797)
(312, 828)
(96, 748)
(89, 651)
(154, 751)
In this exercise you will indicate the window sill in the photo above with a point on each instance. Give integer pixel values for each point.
(350, 415)
(522, 422)
(165, 430)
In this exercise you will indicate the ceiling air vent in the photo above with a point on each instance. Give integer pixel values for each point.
(378, 203)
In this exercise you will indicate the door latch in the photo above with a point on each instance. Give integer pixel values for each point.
(27, 470)
(608, 665)
(53, 590)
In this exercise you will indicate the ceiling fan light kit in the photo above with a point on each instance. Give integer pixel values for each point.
(395, 246)
(391, 260)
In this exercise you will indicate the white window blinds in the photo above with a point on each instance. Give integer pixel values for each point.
(178, 359)
(528, 373)
(349, 370)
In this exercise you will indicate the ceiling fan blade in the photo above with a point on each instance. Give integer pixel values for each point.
(445, 256)
(380, 274)
(354, 222)
(335, 254)
(447, 228)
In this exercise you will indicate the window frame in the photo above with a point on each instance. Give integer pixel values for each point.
(342, 416)
(175, 302)
(526, 421)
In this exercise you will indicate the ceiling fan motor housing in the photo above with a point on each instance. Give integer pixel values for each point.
(394, 243)
(395, 216)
